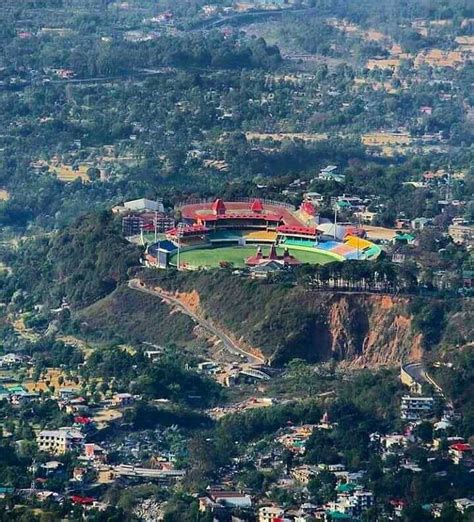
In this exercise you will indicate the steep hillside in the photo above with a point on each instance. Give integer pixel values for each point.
(126, 315)
(285, 322)
(81, 264)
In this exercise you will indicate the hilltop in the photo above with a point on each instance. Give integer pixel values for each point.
(279, 322)
(88, 265)
(283, 322)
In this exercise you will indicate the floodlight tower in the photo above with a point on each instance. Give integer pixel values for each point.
(179, 235)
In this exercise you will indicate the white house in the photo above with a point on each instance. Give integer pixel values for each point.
(59, 441)
(415, 408)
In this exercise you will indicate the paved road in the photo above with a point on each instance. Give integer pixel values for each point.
(250, 16)
(229, 344)
(418, 372)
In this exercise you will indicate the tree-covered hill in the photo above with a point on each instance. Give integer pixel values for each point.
(82, 264)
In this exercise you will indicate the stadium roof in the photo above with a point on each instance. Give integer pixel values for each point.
(257, 206)
(218, 206)
(187, 230)
(305, 231)
(267, 216)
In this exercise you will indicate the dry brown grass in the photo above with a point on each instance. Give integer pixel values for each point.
(285, 136)
(51, 376)
(67, 174)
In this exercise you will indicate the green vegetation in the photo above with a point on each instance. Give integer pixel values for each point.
(79, 265)
(127, 316)
(286, 320)
(167, 378)
(456, 377)
(194, 99)
(146, 108)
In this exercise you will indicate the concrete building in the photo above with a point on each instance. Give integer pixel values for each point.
(140, 205)
(462, 234)
(352, 503)
(411, 375)
(232, 499)
(132, 225)
(270, 513)
(415, 408)
(59, 442)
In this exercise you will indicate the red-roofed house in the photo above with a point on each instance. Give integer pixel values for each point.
(398, 505)
(82, 420)
(461, 453)
(78, 499)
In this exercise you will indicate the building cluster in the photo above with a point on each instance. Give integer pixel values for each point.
(143, 216)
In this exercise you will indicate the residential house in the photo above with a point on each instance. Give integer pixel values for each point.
(352, 503)
(462, 234)
(122, 399)
(464, 504)
(419, 223)
(11, 359)
(403, 238)
(270, 513)
(468, 278)
(314, 197)
(461, 453)
(330, 173)
(95, 453)
(416, 408)
(303, 474)
(59, 441)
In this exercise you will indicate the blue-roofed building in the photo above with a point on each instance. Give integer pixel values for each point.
(158, 254)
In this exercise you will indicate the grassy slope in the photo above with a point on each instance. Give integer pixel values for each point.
(134, 317)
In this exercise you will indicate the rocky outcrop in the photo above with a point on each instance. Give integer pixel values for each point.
(371, 330)
(357, 330)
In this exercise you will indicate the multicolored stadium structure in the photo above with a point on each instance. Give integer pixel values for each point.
(218, 223)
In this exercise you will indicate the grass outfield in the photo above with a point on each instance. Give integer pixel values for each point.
(211, 257)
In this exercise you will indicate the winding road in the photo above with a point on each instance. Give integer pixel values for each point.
(230, 345)
(250, 17)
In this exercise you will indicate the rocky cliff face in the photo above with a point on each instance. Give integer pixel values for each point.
(370, 330)
(358, 330)
(354, 329)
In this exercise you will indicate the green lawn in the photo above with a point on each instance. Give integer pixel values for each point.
(149, 237)
(211, 257)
